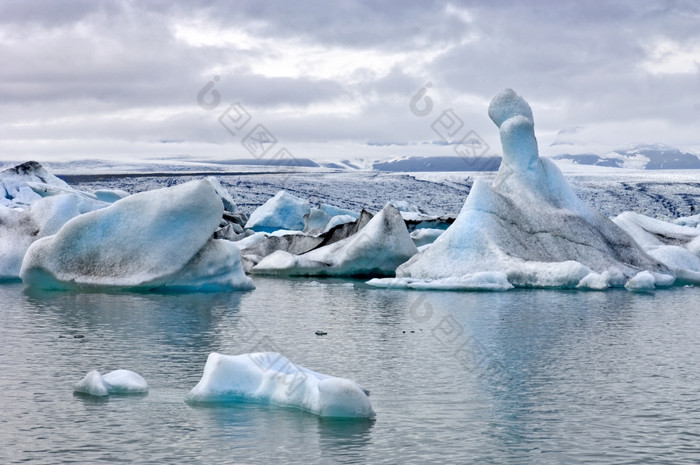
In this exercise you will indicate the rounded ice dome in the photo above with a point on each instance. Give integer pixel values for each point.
(339, 397)
(506, 104)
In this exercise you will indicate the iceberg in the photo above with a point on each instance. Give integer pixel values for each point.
(19, 228)
(29, 182)
(530, 225)
(121, 382)
(376, 250)
(15, 189)
(269, 377)
(283, 211)
(159, 239)
(425, 236)
(669, 243)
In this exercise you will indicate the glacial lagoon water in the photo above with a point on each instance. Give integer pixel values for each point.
(524, 376)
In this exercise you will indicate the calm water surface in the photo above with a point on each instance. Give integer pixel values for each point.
(516, 377)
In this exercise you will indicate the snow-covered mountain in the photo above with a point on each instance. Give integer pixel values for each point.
(647, 157)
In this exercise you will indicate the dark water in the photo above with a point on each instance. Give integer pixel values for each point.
(516, 377)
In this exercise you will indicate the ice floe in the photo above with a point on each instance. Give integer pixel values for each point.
(269, 377)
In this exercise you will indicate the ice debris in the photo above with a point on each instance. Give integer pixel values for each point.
(115, 382)
(269, 377)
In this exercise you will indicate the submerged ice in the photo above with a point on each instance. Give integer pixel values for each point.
(528, 225)
(271, 377)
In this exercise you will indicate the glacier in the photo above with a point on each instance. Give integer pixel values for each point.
(159, 239)
(529, 225)
(376, 250)
(120, 382)
(269, 377)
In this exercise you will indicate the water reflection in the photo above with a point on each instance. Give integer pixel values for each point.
(345, 440)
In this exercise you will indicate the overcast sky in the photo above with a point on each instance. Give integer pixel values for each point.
(335, 80)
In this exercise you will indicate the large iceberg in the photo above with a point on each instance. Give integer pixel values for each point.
(115, 382)
(376, 250)
(529, 224)
(150, 240)
(271, 377)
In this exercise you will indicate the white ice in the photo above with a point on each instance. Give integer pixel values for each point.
(326, 217)
(271, 377)
(425, 236)
(671, 244)
(115, 382)
(152, 240)
(283, 211)
(376, 250)
(14, 188)
(692, 221)
(19, 228)
(529, 224)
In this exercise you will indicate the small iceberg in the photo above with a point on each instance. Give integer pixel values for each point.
(283, 211)
(376, 250)
(120, 382)
(271, 377)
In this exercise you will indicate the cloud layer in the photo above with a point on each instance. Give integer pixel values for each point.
(335, 80)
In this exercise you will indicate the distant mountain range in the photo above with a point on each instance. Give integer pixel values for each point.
(645, 157)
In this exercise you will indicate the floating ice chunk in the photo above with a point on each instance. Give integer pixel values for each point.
(598, 281)
(224, 195)
(649, 232)
(670, 244)
(283, 211)
(14, 187)
(404, 206)
(326, 217)
(154, 239)
(377, 249)
(315, 221)
(528, 223)
(425, 236)
(338, 220)
(332, 211)
(125, 382)
(20, 228)
(110, 195)
(271, 377)
(114, 382)
(642, 281)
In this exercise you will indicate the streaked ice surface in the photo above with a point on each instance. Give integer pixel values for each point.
(524, 376)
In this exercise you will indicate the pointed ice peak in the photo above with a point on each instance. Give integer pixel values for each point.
(506, 104)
